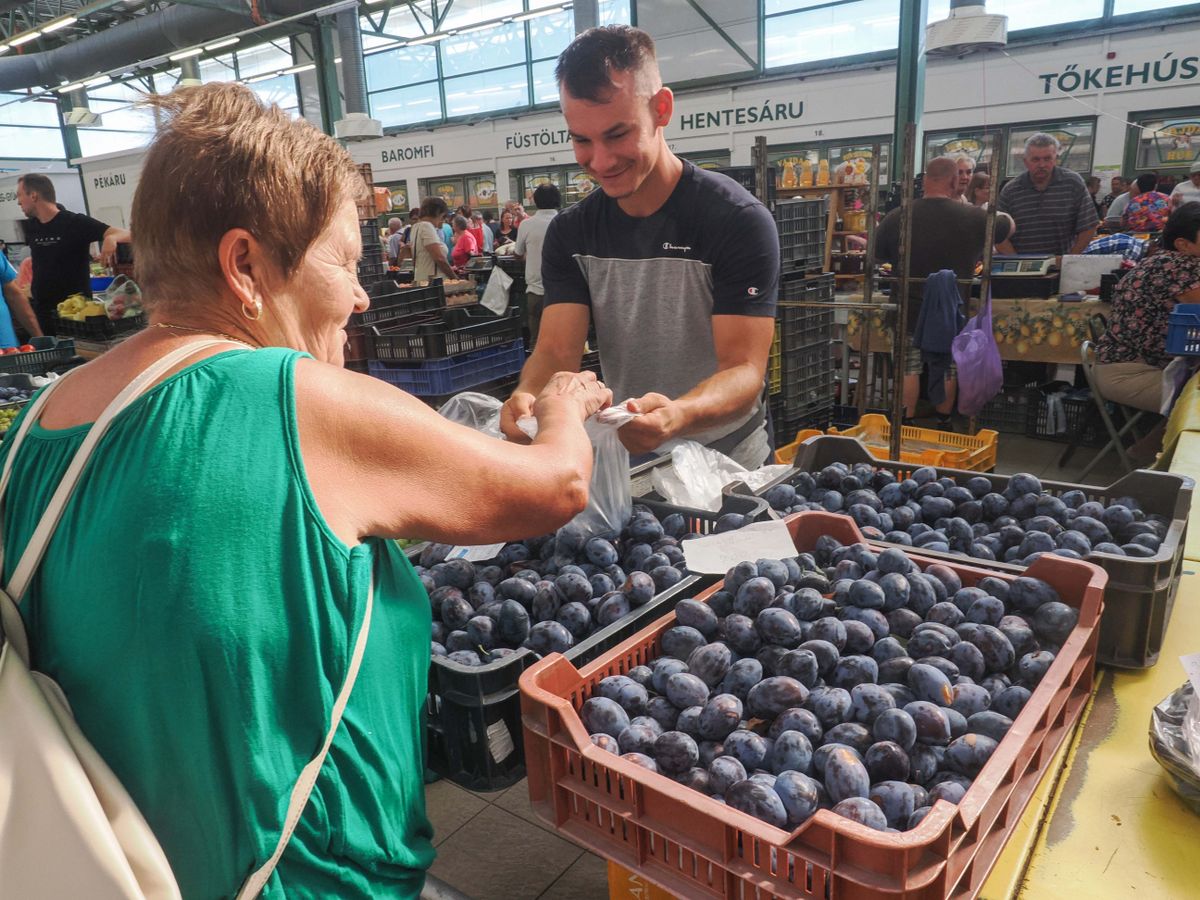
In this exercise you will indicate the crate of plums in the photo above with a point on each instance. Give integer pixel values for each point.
(1134, 529)
(854, 722)
(552, 594)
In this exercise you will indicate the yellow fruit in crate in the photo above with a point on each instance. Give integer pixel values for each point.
(1038, 338)
(1057, 321)
(1055, 339)
(1026, 331)
(1022, 347)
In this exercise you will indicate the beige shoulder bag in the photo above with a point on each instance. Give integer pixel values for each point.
(67, 826)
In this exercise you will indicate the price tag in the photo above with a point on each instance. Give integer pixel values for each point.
(481, 553)
(716, 554)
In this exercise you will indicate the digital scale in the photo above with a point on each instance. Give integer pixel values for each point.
(1024, 275)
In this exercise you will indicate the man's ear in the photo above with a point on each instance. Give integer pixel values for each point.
(662, 107)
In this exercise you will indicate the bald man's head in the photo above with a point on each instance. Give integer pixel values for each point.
(941, 177)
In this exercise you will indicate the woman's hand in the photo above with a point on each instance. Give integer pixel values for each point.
(582, 389)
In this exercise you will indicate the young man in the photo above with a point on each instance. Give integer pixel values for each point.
(59, 242)
(677, 267)
(530, 239)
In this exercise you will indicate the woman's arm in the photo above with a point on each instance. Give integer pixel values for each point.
(382, 463)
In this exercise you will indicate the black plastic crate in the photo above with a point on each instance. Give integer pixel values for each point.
(458, 329)
(806, 379)
(473, 713)
(591, 363)
(370, 273)
(1009, 411)
(49, 352)
(802, 232)
(99, 328)
(817, 415)
(848, 417)
(511, 265)
(500, 388)
(804, 326)
(1084, 426)
(746, 176)
(391, 301)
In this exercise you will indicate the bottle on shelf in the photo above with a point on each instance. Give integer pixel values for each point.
(823, 173)
(789, 175)
(806, 173)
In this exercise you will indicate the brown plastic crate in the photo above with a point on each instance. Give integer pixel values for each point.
(693, 846)
(1140, 593)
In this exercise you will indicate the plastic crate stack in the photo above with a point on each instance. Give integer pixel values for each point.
(802, 226)
(802, 396)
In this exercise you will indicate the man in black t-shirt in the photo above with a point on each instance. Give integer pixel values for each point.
(677, 267)
(59, 242)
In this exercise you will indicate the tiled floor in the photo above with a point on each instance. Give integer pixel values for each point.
(490, 845)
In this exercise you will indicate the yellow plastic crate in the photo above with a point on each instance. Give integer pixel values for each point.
(786, 454)
(927, 446)
(773, 364)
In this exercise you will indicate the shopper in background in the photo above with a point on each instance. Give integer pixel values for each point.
(1119, 186)
(1187, 191)
(483, 234)
(395, 240)
(17, 307)
(1093, 187)
(227, 568)
(507, 232)
(677, 267)
(1050, 205)
(979, 190)
(966, 169)
(530, 238)
(1132, 353)
(945, 235)
(429, 254)
(489, 220)
(413, 215)
(464, 244)
(59, 242)
(1147, 209)
(518, 212)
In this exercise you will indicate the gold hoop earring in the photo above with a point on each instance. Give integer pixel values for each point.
(258, 309)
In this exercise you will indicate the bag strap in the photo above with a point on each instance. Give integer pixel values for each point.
(308, 775)
(14, 628)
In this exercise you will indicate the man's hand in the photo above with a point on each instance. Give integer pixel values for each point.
(518, 406)
(583, 389)
(661, 420)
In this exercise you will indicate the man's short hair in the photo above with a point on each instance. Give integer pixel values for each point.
(476, 214)
(1093, 180)
(461, 223)
(943, 168)
(1184, 223)
(585, 68)
(488, 215)
(1041, 139)
(395, 223)
(547, 196)
(1147, 182)
(432, 207)
(38, 184)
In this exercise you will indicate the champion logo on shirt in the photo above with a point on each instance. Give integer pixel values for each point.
(669, 246)
(752, 291)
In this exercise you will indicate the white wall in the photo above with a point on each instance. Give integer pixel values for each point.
(109, 182)
(66, 189)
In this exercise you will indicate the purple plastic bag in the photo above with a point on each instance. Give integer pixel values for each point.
(980, 374)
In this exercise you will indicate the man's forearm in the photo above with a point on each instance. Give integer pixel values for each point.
(721, 398)
(1082, 240)
(22, 310)
(542, 364)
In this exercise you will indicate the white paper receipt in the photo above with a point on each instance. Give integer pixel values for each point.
(1191, 665)
(716, 554)
(482, 553)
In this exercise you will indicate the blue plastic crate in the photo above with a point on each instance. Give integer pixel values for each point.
(1183, 330)
(454, 373)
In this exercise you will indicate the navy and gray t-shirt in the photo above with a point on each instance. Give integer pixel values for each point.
(653, 284)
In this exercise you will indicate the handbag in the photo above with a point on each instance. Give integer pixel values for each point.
(67, 826)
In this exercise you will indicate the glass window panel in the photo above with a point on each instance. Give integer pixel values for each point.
(1121, 7)
(219, 68)
(1169, 143)
(15, 111)
(1037, 13)
(262, 59)
(32, 143)
(464, 13)
(280, 90)
(404, 106)
(401, 22)
(614, 12)
(718, 160)
(449, 189)
(832, 32)
(975, 143)
(782, 6)
(472, 94)
(481, 191)
(549, 35)
(545, 87)
(94, 141)
(489, 49)
(401, 66)
(1075, 138)
(119, 116)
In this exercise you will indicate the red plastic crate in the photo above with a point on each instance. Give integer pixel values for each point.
(693, 846)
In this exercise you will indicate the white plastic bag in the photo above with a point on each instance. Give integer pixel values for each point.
(477, 411)
(610, 502)
(698, 475)
(495, 295)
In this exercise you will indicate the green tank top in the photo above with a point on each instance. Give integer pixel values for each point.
(200, 615)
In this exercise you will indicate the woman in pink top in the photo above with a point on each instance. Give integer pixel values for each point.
(465, 245)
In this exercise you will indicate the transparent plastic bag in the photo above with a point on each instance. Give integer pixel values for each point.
(477, 411)
(1175, 742)
(698, 475)
(610, 501)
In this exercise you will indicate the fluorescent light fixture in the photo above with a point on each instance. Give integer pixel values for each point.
(266, 77)
(228, 42)
(536, 14)
(295, 70)
(484, 27)
(96, 82)
(337, 60)
(185, 54)
(60, 23)
(67, 88)
(24, 38)
(428, 39)
(3, 48)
